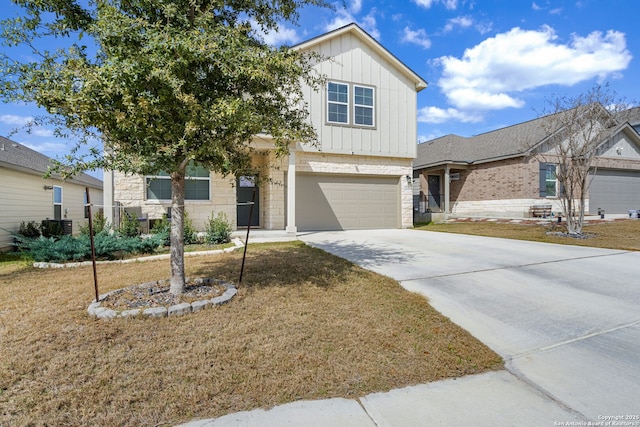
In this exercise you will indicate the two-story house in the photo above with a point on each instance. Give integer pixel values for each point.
(359, 175)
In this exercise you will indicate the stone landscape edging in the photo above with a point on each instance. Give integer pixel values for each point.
(95, 308)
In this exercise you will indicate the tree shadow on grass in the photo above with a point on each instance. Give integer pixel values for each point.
(286, 264)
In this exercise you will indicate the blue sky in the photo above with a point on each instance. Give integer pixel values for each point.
(489, 64)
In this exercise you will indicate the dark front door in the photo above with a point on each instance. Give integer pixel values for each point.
(246, 185)
(433, 182)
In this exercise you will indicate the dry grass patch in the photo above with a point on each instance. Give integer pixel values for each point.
(305, 325)
(623, 234)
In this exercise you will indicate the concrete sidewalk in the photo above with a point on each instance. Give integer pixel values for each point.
(491, 399)
(564, 318)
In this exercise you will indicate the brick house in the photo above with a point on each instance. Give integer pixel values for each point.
(499, 173)
(358, 177)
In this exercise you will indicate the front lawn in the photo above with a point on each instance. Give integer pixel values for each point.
(304, 325)
(619, 234)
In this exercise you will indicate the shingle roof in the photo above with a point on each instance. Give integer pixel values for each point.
(632, 115)
(14, 155)
(511, 141)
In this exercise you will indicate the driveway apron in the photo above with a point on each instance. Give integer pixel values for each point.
(566, 319)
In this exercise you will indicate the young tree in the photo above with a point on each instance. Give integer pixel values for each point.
(576, 127)
(161, 83)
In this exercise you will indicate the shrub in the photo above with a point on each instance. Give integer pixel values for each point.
(51, 228)
(129, 226)
(29, 229)
(190, 235)
(163, 227)
(54, 249)
(67, 248)
(218, 230)
(99, 224)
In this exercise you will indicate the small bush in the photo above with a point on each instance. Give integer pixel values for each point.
(67, 248)
(51, 229)
(190, 235)
(54, 249)
(129, 225)
(29, 229)
(163, 227)
(218, 230)
(99, 224)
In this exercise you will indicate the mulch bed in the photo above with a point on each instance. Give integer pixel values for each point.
(156, 294)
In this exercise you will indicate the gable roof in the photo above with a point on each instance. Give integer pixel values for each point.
(16, 156)
(364, 37)
(505, 143)
(508, 142)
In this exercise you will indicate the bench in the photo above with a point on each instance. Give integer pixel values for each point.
(542, 211)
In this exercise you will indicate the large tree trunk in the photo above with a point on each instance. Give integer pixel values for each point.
(177, 232)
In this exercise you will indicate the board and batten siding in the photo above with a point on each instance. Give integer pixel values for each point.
(395, 130)
(25, 199)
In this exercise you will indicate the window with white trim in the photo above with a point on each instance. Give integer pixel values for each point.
(363, 106)
(338, 107)
(350, 104)
(196, 186)
(57, 202)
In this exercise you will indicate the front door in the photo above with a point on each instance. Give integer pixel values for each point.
(246, 185)
(434, 192)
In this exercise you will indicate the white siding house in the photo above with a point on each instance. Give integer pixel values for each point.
(358, 177)
(27, 196)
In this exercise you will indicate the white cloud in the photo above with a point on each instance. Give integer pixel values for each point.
(11, 119)
(42, 132)
(460, 21)
(535, 6)
(284, 36)
(490, 74)
(418, 37)
(449, 4)
(346, 16)
(440, 115)
(50, 149)
(355, 6)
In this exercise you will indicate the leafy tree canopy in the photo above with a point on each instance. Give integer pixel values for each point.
(161, 82)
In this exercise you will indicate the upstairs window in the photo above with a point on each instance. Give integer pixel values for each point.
(196, 184)
(363, 105)
(350, 104)
(338, 107)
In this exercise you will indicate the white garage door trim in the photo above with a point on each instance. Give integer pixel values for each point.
(347, 202)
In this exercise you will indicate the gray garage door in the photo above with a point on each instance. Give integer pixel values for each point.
(614, 191)
(330, 202)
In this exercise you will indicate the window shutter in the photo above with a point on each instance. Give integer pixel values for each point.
(543, 179)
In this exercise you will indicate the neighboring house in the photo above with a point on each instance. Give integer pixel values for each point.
(359, 176)
(27, 196)
(500, 173)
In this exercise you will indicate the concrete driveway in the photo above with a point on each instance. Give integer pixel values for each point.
(566, 319)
